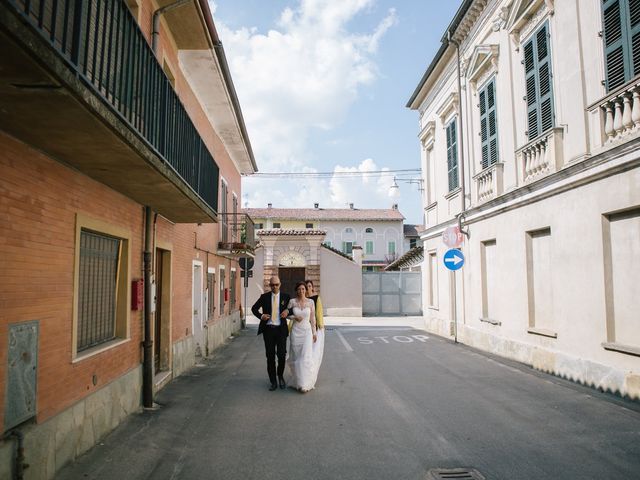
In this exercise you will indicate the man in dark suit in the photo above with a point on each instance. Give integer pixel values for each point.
(271, 309)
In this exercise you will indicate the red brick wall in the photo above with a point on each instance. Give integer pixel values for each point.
(39, 199)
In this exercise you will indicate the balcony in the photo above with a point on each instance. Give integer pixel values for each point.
(79, 81)
(237, 235)
(489, 183)
(616, 118)
(541, 156)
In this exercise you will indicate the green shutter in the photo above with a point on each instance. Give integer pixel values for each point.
(537, 66)
(621, 28)
(488, 125)
(452, 155)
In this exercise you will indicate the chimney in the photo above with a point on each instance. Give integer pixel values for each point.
(316, 205)
(394, 206)
(269, 205)
(351, 206)
(356, 254)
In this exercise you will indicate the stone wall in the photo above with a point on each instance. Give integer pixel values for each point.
(61, 439)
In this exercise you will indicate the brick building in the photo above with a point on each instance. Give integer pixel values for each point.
(122, 146)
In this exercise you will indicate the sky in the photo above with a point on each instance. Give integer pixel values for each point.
(323, 86)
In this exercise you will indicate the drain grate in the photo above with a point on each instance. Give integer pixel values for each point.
(454, 473)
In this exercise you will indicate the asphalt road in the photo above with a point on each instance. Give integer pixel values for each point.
(390, 403)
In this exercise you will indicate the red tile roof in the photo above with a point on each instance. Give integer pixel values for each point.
(289, 231)
(353, 214)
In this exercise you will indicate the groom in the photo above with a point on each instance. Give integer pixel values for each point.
(271, 309)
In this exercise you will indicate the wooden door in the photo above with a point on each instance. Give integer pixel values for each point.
(289, 276)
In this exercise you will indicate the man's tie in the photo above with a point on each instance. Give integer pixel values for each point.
(275, 314)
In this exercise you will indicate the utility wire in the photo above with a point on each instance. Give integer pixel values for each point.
(357, 174)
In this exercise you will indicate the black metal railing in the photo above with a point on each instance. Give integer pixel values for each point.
(102, 42)
(237, 232)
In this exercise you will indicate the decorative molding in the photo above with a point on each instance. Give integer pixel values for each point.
(525, 15)
(427, 134)
(484, 63)
(500, 20)
(451, 103)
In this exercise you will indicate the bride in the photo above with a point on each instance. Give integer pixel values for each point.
(304, 370)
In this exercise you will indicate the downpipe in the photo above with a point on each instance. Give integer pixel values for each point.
(147, 343)
(19, 466)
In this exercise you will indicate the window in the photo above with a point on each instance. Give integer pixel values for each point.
(224, 224)
(234, 228)
(348, 230)
(211, 290)
(488, 125)
(452, 155)
(347, 247)
(537, 66)
(392, 248)
(621, 20)
(413, 242)
(259, 226)
(222, 285)
(369, 247)
(102, 283)
(369, 269)
(368, 230)
(309, 225)
(232, 288)
(276, 224)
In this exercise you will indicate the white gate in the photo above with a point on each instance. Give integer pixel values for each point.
(391, 293)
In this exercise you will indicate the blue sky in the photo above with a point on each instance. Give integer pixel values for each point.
(323, 86)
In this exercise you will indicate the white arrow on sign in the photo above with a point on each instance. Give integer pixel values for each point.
(456, 259)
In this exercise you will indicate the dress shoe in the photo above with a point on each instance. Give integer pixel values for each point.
(282, 383)
(273, 387)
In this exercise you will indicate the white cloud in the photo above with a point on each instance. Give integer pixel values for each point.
(300, 76)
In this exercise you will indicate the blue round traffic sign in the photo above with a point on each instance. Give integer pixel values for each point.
(453, 259)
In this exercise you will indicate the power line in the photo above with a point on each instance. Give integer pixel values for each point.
(357, 174)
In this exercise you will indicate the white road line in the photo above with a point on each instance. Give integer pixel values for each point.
(344, 341)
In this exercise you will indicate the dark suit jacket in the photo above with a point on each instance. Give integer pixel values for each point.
(263, 305)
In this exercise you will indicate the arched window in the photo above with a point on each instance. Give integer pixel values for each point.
(368, 230)
(348, 230)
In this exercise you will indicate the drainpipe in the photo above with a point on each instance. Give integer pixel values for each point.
(461, 130)
(19, 466)
(147, 343)
(155, 22)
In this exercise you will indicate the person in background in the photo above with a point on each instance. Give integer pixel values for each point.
(318, 346)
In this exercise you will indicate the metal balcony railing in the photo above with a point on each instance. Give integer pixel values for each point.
(237, 232)
(102, 42)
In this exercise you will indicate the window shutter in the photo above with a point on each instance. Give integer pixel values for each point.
(488, 125)
(537, 65)
(452, 156)
(616, 61)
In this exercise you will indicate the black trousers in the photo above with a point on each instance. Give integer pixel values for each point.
(275, 344)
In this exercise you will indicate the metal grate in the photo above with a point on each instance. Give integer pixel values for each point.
(97, 289)
(454, 473)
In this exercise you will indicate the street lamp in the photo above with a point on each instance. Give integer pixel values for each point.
(394, 189)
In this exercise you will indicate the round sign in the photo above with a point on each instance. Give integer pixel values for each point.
(453, 259)
(246, 263)
(452, 237)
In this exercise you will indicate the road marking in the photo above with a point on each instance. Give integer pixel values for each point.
(395, 338)
(344, 342)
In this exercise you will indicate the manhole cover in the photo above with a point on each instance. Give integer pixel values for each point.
(455, 473)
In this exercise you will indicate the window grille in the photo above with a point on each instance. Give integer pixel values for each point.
(621, 28)
(537, 65)
(452, 155)
(97, 289)
(488, 125)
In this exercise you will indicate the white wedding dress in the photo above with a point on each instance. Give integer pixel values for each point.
(302, 361)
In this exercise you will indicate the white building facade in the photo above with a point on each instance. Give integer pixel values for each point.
(530, 128)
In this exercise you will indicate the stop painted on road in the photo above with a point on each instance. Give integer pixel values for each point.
(392, 338)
